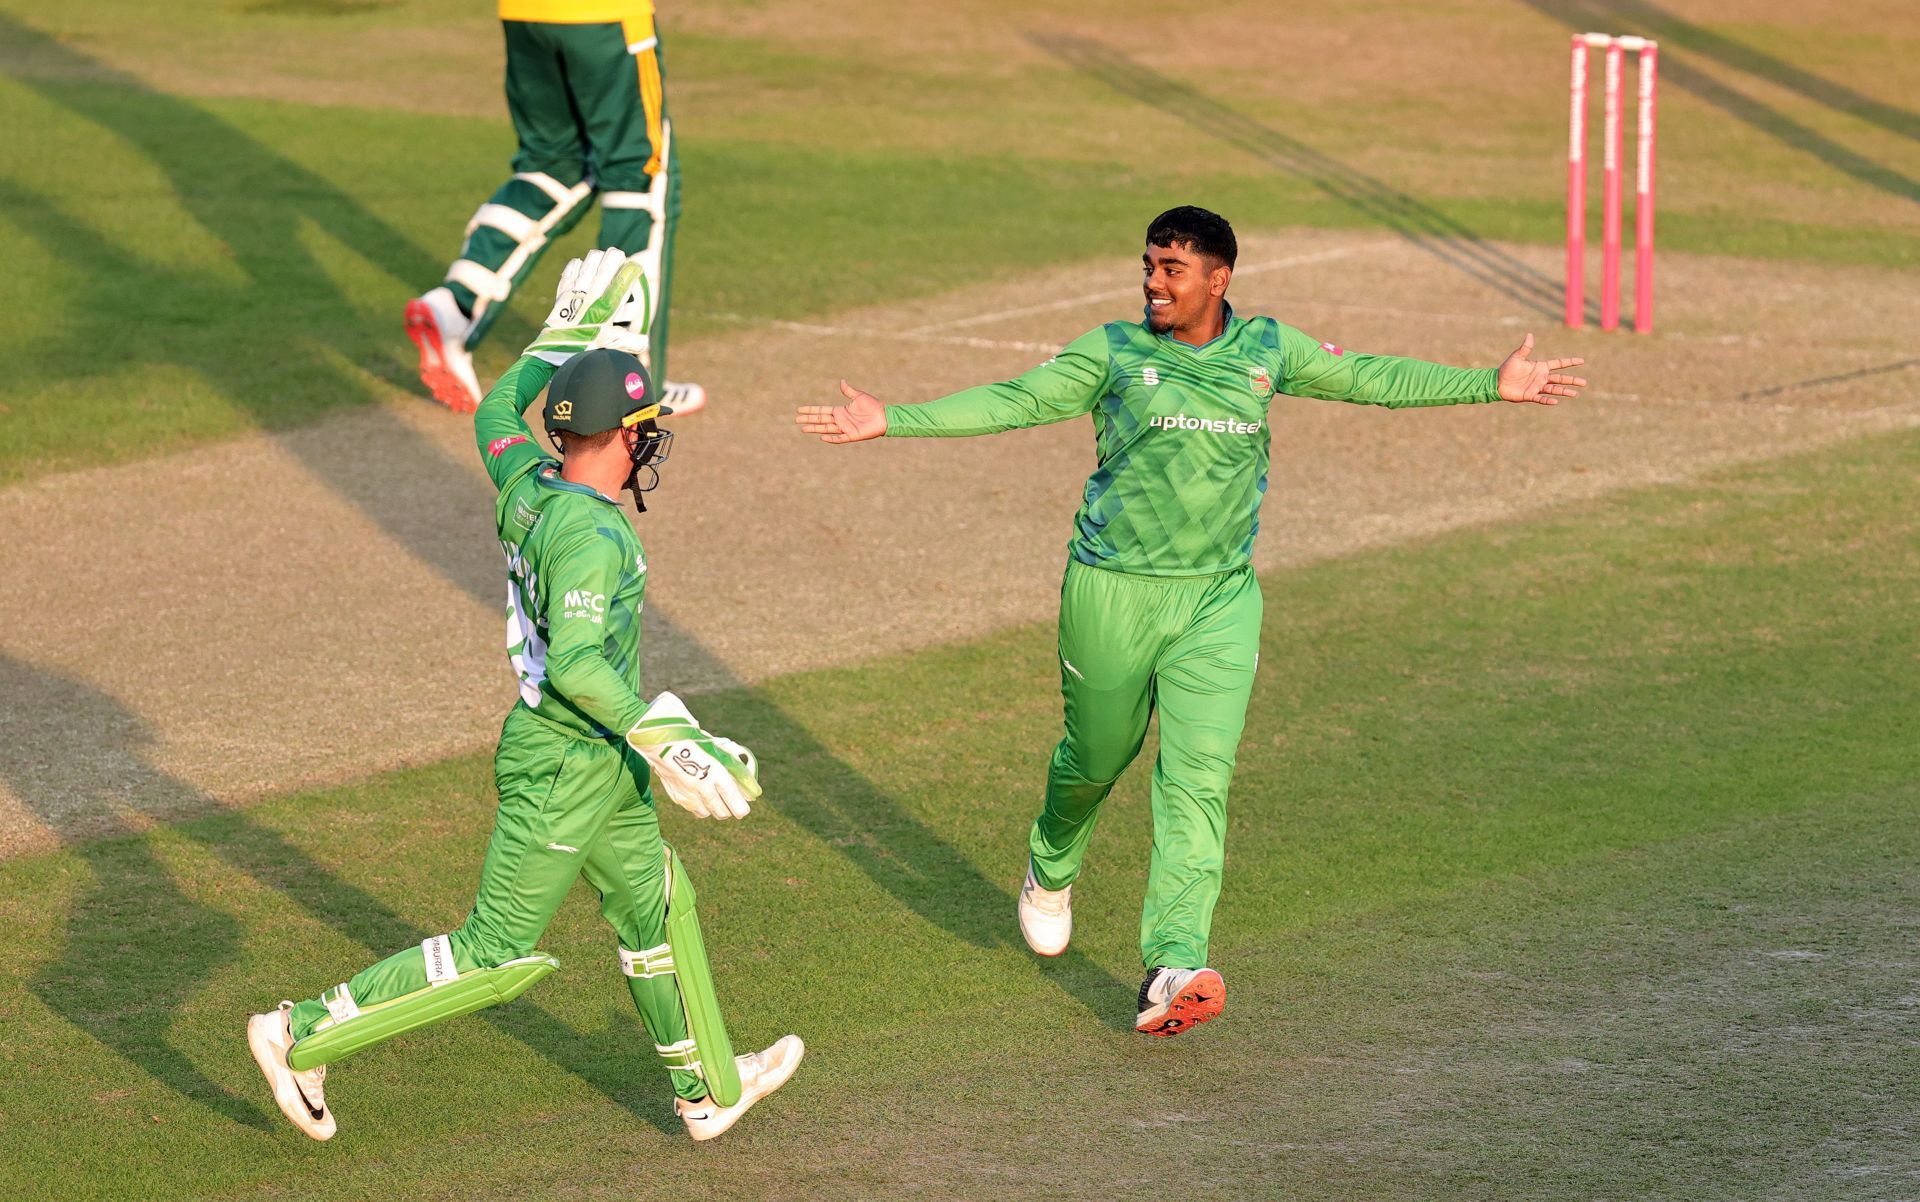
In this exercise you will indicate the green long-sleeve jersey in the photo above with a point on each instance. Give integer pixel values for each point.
(576, 575)
(1181, 431)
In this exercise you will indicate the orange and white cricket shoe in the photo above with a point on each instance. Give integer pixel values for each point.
(1173, 999)
(439, 329)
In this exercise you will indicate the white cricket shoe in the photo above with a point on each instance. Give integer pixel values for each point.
(1046, 915)
(760, 1074)
(1173, 999)
(439, 329)
(301, 1095)
(681, 397)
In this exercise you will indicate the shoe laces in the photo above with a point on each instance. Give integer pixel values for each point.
(1048, 901)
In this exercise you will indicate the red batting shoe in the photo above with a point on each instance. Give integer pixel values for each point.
(439, 329)
(1173, 999)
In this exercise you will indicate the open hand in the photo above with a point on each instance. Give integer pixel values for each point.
(1537, 380)
(861, 418)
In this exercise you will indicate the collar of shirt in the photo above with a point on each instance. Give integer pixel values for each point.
(1227, 326)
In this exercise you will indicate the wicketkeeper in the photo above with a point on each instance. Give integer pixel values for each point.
(575, 752)
(1160, 609)
(588, 101)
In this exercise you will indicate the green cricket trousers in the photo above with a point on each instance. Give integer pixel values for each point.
(588, 104)
(1187, 647)
(569, 807)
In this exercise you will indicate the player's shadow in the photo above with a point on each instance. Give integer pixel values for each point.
(255, 201)
(284, 342)
(900, 854)
(1425, 227)
(138, 947)
(1680, 39)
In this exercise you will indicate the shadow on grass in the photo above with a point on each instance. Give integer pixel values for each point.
(1680, 38)
(255, 201)
(137, 946)
(1426, 227)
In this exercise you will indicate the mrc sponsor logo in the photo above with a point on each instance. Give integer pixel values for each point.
(1180, 421)
(581, 603)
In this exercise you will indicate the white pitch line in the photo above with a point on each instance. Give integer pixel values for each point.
(1074, 302)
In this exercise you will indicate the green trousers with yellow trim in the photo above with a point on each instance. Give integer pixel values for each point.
(1131, 645)
(569, 807)
(588, 104)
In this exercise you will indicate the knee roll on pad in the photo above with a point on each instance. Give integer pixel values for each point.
(684, 955)
(349, 1028)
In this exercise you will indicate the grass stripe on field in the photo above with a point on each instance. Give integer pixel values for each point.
(1568, 859)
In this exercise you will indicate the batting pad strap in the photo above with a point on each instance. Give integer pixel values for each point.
(654, 962)
(505, 218)
(682, 1056)
(340, 1003)
(474, 989)
(491, 285)
(561, 195)
(630, 200)
(439, 956)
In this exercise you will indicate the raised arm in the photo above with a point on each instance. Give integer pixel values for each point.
(507, 444)
(1324, 371)
(1064, 387)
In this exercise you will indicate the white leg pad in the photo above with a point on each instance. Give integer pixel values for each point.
(505, 218)
(487, 285)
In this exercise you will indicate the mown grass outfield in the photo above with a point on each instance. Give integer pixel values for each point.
(1575, 859)
(1572, 856)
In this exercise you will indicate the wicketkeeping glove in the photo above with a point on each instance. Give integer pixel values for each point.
(593, 306)
(708, 776)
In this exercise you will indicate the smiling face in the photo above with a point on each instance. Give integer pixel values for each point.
(1184, 291)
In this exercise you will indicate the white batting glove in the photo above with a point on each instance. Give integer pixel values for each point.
(708, 776)
(592, 307)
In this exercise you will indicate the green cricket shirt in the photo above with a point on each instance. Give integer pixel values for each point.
(576, 575)
(1181, 431)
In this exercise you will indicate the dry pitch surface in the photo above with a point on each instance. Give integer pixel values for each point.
(276, 612)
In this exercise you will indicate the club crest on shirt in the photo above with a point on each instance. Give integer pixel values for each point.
(1260, 382)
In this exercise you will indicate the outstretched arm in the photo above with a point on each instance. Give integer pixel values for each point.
(1064, 387)
(1324, 371)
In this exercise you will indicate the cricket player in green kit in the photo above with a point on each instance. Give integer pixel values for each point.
(575, 753)
(1159, 609)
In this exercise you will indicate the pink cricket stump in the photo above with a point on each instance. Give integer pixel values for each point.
(1643, 194)
(1577, 186)
(1610, 195)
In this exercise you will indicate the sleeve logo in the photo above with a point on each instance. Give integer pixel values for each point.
(1331, 349)
(498, 446)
